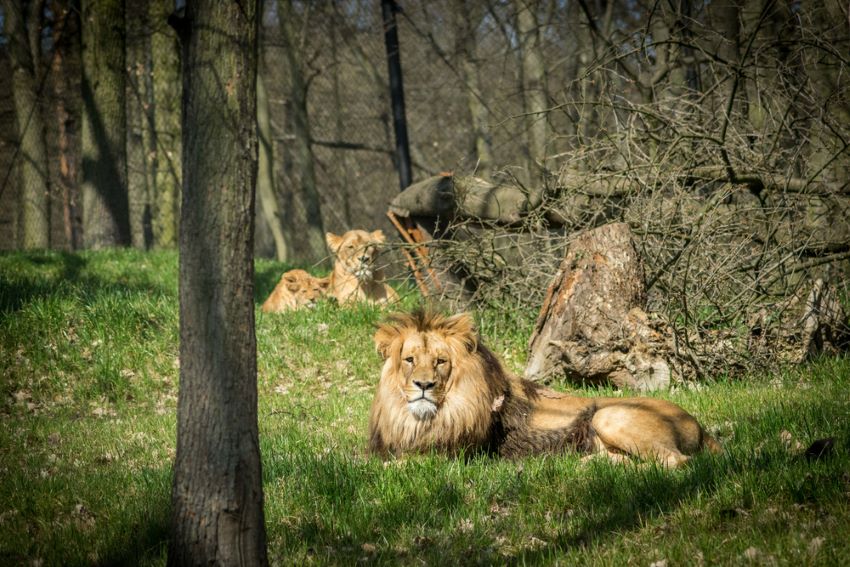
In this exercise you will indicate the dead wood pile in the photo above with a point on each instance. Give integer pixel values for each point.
(737, 276)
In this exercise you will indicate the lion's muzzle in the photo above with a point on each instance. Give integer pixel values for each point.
(422, 404)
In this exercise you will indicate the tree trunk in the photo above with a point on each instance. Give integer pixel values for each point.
(592, 327)
(104, 186)
(310, 244)
(533, 87)
(825, 70)
(32, 154)
(265, 181)
(166, 100)
(65, 53)
(141, 138)
(339, 126)
(765, 19)
(470, 68)
(217, 492)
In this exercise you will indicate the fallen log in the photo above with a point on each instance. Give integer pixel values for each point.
(450, 197)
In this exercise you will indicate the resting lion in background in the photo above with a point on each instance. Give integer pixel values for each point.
(355, 276)
(440, 388)
(295, 289)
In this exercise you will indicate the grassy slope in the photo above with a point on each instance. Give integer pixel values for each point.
(88, 377)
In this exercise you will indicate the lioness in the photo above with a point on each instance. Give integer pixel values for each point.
(440, 388)
(295, 289)
(355, 276)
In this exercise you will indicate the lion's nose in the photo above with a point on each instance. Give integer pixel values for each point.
(424, 386)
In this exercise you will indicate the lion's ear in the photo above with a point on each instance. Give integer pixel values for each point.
(462, 326)
(384, 337)
(333, 241)
(324, 283)
(378, 236)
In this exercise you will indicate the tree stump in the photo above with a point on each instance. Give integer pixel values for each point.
(592, 327)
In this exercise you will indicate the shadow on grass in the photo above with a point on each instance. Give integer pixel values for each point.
(147, 546)
(30, 276)
(143, 537)
(608, 502)
(16, 291)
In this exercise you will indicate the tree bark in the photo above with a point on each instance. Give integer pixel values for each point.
(825, 70)
(266, 193)
(104, 186)
(339, 126)
(310, 244)
(763, 19)
(217, 495)
(533, 87)
(32, 155)
(166, 101)
(66, 52)
(467, 25)
(141, 137)
(592, 327)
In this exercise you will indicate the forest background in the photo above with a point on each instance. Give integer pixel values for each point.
(718, 131)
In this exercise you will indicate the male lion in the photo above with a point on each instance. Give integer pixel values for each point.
(295, 289)
(355, 276)
(440, 388)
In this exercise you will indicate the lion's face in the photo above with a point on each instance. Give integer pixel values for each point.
(304, 288)
(437, 388)
(421, 360)
(356, 251)
(426, 366)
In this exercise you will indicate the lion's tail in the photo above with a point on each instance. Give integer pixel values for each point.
(582, 436)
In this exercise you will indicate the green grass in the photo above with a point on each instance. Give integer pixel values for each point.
(88, 379)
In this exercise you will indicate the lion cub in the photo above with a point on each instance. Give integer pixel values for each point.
(355, 276)
(295, 289)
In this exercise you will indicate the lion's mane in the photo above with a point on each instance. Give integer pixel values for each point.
(485, 408)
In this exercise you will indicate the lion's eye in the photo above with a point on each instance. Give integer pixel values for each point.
(441, 361)
(409, 360)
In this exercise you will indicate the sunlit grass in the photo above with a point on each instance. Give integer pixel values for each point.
(88, 376)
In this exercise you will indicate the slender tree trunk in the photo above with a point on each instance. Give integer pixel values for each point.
(402, 145)
(825, 71)
(32, 155)
(266, 193)
(726, 19)
(104, 186)
(65, 42)
(217, 492)
(141, 138)
(533, 85)
(764, 19)
(167, 89)
(311, 245)
(339, 125)
(470, 67)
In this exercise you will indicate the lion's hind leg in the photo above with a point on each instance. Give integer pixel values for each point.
(637, 432)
